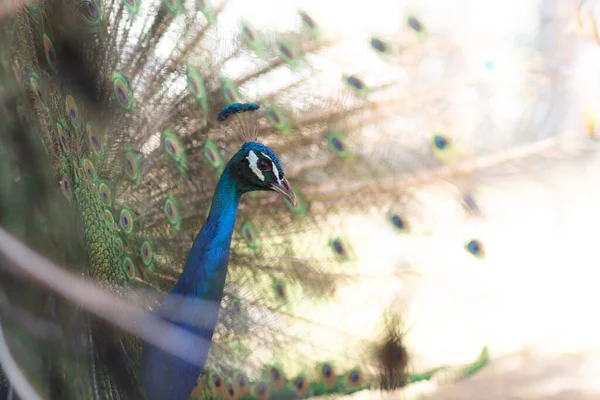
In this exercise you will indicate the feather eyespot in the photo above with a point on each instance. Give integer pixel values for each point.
(241, 384)
(337, 144)
(241, 381)
(72, 110)
(275, 374)
(93, 10)
(307, 20)
(89, 169)
(50, 53)
(469, 203)
(338, 247)
(61, 134)
(250, 234)
(277, 118)
(379, 45)
(288, 54)
(280, 291)
(300, 385)
(327, 374)
(355, 378)
(475, 247)
(415, 24)
(251, 37)
(94, 139)
(341, 248)
(122, 91)
(132, 170)
(230, 95)
(129, 165)
(129, 268)
(440, 142)
(261, 391)
(172, 212)
(212, 154)
(336, 141)
(277, 379)
(248, 33)
(65, 186)
(272, 115)
(195, 83)
(355, 82)
(236, 306)
(230, 391)
(147, 253)
(173, 147)
(399, 223)
(121, 95)
(37, 89)
(126, 221)
(301, 208)
(230, 92)
(216, 384)
(285, 50)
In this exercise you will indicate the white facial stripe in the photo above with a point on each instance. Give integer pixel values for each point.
(252, 160)
(275, 170)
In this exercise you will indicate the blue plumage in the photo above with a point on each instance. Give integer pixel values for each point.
(196, 297)
(235, 108)
(440, 142)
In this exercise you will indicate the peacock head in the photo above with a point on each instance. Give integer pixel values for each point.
(256, 167)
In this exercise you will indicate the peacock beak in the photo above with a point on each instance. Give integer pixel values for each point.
(284, 188)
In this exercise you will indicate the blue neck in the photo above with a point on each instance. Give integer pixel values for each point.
(195, 299)
(206, 266)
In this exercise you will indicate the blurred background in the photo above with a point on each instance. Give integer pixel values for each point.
(531, 299)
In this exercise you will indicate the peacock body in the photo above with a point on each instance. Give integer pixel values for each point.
(120, 128)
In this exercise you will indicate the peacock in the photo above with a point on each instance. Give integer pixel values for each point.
(131, 129)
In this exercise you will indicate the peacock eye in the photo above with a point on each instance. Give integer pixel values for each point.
(264, 165)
